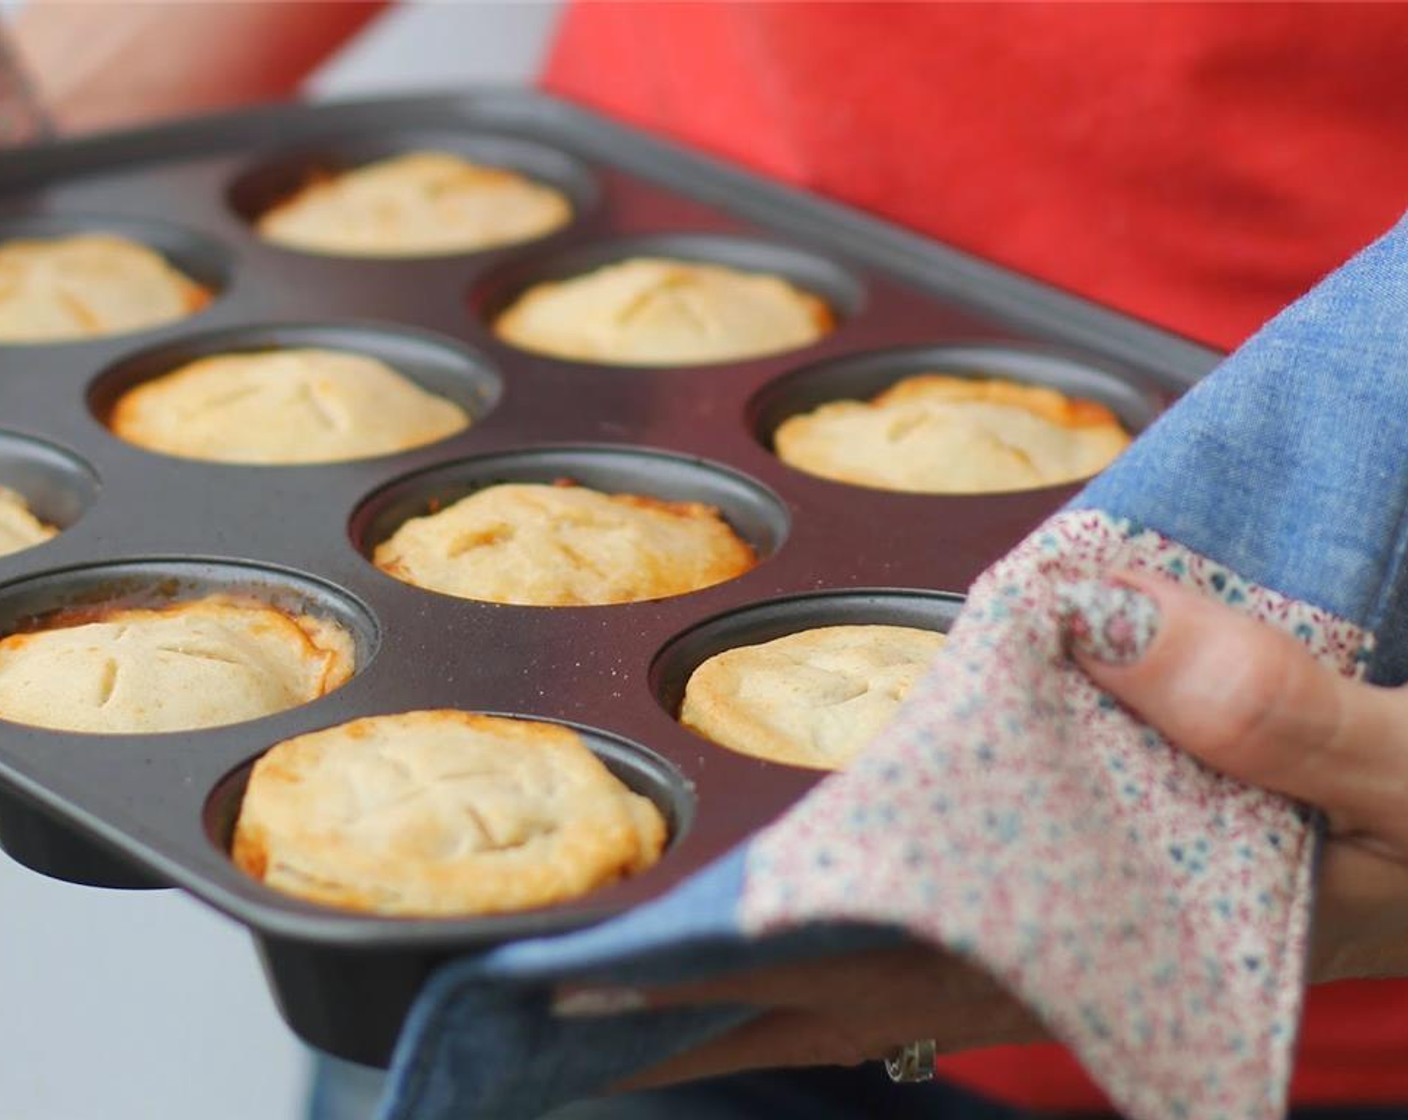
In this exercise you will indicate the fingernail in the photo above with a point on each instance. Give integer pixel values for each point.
(1108, 621)
(593, 1003)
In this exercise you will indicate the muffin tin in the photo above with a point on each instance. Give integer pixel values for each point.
(139, 527)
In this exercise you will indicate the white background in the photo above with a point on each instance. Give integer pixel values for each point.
(146, 1005)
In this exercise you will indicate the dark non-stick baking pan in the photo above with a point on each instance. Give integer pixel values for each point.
(140, 527)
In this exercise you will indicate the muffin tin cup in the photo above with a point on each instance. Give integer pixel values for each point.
(133, 809)
(43, 843)
(26, 604)
(56, 485)
(860, 377)
(435, 363)
(765, 622)
(34, 835)
(277, 176)
(198, 256)
(756, 514)
(352, 1001)
(843, 293)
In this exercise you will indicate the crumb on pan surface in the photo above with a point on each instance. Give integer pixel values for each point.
(415, 204)
(439, 813)
(814, 698)
(294, 406)
(19, 528)
(934, 433)
(87, 285)
(206, 662)
(657, 311)
(555, 545)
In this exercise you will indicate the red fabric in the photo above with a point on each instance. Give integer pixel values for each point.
(1197, 165)
(1351, 1051)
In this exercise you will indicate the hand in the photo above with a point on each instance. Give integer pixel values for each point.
(1249, 701)
(104, 65)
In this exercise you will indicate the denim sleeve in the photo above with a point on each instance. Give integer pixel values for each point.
(1289, 464)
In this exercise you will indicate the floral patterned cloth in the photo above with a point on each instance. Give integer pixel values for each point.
(1153, 913)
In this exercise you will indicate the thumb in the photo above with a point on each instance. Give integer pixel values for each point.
(1247, 699)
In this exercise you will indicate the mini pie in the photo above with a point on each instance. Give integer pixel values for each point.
(284, 406)
(203, 663)
(565, 545)
(20, 529)
(418, 204)
(814, 698)
(441, 812)
(649, 311)
(88, 285)
(938, 434)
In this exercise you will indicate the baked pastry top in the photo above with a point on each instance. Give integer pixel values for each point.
(565, 545)
(90, 284)
(203, 663)
(652, 311)
(939, 434)
(814, 698)
(440, 813)
(19, 528)
(417, 204)
(284, 406)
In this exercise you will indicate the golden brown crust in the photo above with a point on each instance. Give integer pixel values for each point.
(417, 204)
(437, 813)
(88, 285)
(203, 663)
(1048, 403)
(655, 311)
(814, 698)
(540, 545)
(933, 433)
(296, 406)
(19, 528)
